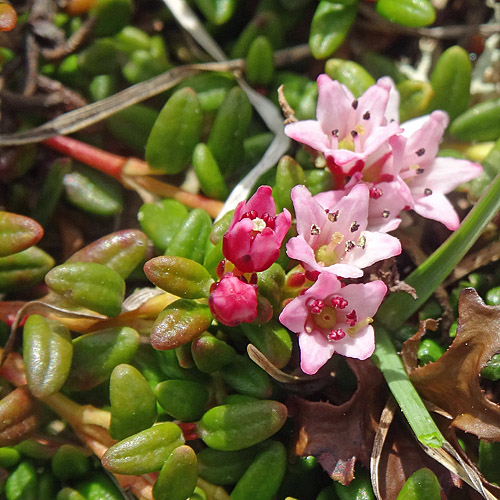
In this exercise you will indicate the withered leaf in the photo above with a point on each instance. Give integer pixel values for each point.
(452, 383)
(338, 435)
(18, 417)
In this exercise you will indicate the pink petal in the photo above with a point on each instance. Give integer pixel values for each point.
(294, 315)
(365, 297)
(308, 212)
(437, 207)
(262, 201)
(315, 351)
(378, 246)
(361, 346)
(422, 146)
(334, 109)
(308, 132)
(297, 248)
(374, 100)
(264, 251)
(445, 174)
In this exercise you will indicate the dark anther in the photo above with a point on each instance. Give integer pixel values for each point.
(420, 152)
(354, 227)
(335, 132)
(427, 191)
(315, 230)
(420, 170)
(385, 214)
(354, 104)
(354, 134)
(366, 116)
(333, 216)
(349, 245)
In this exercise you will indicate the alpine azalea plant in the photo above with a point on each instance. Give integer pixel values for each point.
(380, 168)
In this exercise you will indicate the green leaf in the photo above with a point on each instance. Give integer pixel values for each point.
(145, 451)
(17, 233)
(238, 426)
(88, 284)
(175, 133)
(121, 251)
(133, 404)
(217, 11)
(24, 269)
(179, 276)
(450, 82)
(412, 13)
(179, 323)
(47, 353)
(330, 25)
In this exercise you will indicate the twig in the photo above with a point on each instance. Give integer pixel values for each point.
(73, 42)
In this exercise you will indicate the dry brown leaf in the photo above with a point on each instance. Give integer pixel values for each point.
(452, 382)
(339, 435)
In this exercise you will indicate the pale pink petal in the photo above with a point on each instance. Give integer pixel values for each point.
(392, 110)
(361, 346)
(445, 174)
(315, 351)
(308, 132)
(437, 207)
(328, 199)
(365, 298)
(334, 110)
(378, 246)
(294, 315)
(308, 212)
(297, 248)
(383, 213)
(374, 101)
(422, 146)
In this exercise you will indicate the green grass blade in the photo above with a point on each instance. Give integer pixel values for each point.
(389, 362)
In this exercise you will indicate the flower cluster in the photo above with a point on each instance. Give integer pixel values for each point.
(380, 168)
(362, 142)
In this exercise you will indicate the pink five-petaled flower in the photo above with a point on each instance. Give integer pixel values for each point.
(233, 301)
(253, 240)
(329, 318)
(430, 177)
(353, 134)
(335, 239)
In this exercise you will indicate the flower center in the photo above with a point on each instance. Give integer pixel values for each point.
(326, 319)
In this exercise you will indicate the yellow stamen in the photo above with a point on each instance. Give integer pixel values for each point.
(353, 330)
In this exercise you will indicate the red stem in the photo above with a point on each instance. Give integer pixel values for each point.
(108, 163)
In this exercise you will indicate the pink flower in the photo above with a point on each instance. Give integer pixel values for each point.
(330, 318)
(335, 238)
(430, 177)
(253, 240)
(351, 133)
(233, 301)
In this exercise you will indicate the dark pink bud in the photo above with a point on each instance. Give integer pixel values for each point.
(233, 301)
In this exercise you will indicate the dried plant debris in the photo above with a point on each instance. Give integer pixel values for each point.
(339, 435)
(452, 383)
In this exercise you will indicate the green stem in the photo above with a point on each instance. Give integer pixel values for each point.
(398, 307)
(389, 362)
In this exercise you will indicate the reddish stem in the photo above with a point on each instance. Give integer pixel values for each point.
(108, 163)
